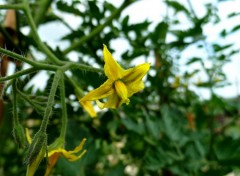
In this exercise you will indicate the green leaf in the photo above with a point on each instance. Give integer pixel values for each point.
(63, 6)
(236, 28)
(171, 123)
(160, 32)
(228, 151)
(137, 127)
(156, 159)
(117, 170)
(193, 60)
(218, 47)
(233, 14)
(177, 7)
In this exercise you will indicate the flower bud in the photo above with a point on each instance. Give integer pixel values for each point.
(36, 152)
(19, 136)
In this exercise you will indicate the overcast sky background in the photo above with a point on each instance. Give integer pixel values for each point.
(154, 11)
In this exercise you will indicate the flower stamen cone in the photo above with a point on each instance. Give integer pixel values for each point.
(121, 90)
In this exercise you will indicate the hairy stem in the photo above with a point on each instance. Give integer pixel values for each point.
(15, 114)
(42, 11)
(18, 74)
(48, 110)
(77, 89)
(26, 60)
(41, 45)
(12, 6)
(64, 108)
(84, 67)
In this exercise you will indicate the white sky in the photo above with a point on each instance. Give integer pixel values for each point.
(153, 11)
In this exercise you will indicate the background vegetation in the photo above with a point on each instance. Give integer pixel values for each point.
(167, 129)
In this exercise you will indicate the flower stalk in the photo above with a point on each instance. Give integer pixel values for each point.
(63, 107)
(18, 132)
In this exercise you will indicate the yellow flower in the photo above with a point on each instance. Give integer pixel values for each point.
(120, 85)
(55, 150)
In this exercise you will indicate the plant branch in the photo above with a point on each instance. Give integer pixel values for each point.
(12, 6)
(18, 74)
(24, 59)
(48, 110)
(38, 108)
(42, 11)
(64, 108)
(98, 29)
(74, 65)
(41, 45)
(78, 90)
(15, 114)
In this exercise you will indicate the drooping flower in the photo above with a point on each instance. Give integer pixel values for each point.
(120, 85)
(55, 150)
(58, 150)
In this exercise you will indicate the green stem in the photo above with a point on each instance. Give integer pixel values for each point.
(16, 56)
(12, 6)
(84, 67)
(38, 108)
(191, 9)
(18, 74)
(26, 60)
(18, 131)
(15, 114)
(77, 89)
(41, 45)
(42, 11)
(64, 108)
(97, 29)
(48, 110)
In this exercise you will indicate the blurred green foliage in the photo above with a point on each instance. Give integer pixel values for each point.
(167, 129)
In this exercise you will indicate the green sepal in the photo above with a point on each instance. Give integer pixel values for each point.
(19, 136)
(39, 143)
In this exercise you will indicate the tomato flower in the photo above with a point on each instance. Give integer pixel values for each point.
(120, 85)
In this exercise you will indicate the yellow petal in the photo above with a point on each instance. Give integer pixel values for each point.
(134, 87)
(121, 90)
(51, 162)
(87, 105)
(111, 68)
(79, 147)
(101, 92)
(136, 73)
(32, 167)
(100, 104)
(114, 101)
(72, 157)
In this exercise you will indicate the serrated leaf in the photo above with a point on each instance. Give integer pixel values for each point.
(63, 6)
(218, 47)
(235, 29)
(228, 151)
(177, 6)
(193, 60)
(160, 32)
